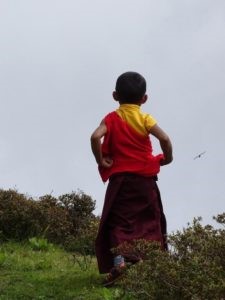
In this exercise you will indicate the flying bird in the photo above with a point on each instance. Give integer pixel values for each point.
(199, 155)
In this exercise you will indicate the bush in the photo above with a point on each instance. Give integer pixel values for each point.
(55, 219)
(39, 244)
(193, 268)
(18, 216)
(67, 220)
(85, 224)
(84, 241)
(80, 208)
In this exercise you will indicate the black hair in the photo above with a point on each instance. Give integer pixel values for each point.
(130, 87)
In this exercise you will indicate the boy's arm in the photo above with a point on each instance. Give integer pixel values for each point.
(165, 144)
(97, 148)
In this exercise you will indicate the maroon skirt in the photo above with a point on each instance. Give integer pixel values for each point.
(132, 210)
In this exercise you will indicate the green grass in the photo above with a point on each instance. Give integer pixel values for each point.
(52, 273)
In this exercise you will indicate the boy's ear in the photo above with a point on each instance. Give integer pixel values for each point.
(144, 99)
(115, 96)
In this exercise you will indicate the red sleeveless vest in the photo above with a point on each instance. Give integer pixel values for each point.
(131, 152)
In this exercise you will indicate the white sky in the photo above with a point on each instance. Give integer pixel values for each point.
(59, 61)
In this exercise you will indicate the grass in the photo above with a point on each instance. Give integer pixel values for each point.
(49, 273)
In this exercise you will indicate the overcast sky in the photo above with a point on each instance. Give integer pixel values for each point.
(59, 60)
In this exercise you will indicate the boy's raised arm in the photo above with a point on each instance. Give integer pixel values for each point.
(165, 144)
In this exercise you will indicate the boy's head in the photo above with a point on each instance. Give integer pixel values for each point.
(130, 88)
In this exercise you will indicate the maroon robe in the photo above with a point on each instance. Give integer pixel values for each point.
(132, 210)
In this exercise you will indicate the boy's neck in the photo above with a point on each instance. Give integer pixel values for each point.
(128, 103)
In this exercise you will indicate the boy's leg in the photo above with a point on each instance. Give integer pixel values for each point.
(119, 261)
(116, 271)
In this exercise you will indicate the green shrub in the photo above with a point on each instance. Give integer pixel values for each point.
(18, 216)
(55, 220)
(39, 244)
(80, 208)
(2, 259)
(85, 224)
(84, 241)
(67, 220)
(193, 268)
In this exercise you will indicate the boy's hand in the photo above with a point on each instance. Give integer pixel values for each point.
(107, 162)
(164, 162)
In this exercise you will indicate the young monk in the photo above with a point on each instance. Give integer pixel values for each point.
(132, 207)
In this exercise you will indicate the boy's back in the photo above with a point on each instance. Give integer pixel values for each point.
(128, 144)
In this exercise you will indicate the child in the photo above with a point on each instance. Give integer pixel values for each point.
(132, 208)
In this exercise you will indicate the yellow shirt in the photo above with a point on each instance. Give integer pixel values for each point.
(138, 120)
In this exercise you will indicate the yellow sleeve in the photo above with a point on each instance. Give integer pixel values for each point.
(149, 122)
